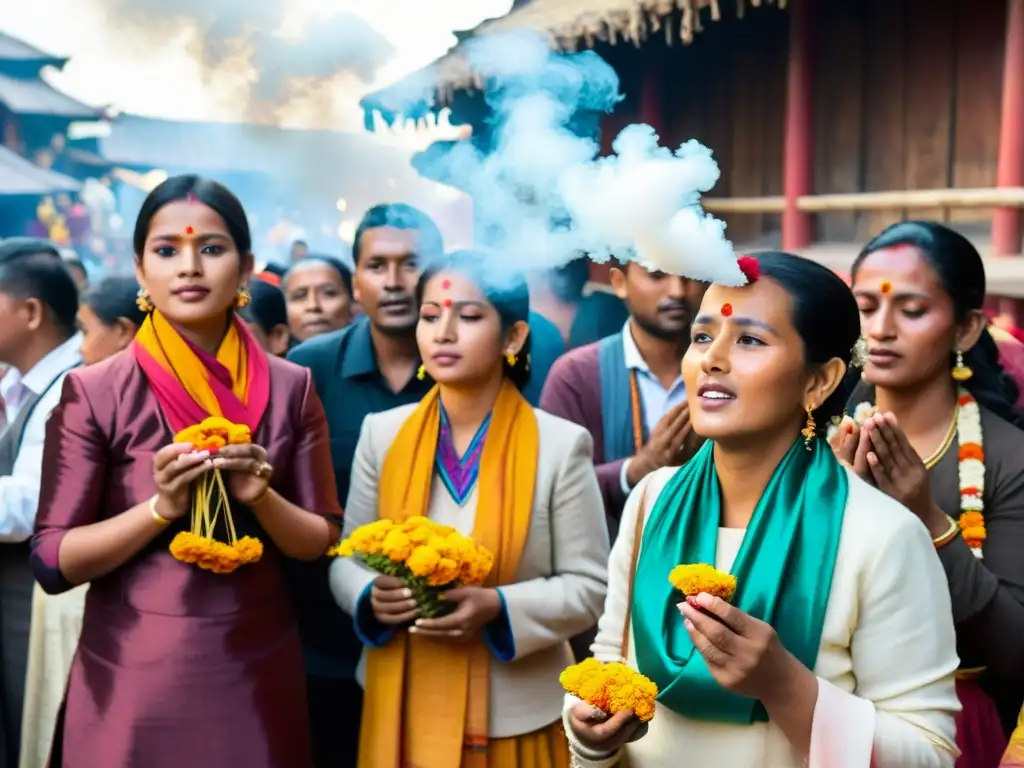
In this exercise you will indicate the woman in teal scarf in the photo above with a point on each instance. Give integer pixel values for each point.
(837, 650)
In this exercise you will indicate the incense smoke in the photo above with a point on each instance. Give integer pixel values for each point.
(541, 195)
(335, 51)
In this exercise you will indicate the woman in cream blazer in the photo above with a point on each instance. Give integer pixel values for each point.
(479, 458)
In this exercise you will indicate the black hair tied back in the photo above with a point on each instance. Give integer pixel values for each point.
(113, 299)
(962, 275)
(505, 290)
(825, 315)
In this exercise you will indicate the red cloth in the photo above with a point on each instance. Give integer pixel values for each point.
(979, 732)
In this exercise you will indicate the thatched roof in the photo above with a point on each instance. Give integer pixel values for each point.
(569, 26)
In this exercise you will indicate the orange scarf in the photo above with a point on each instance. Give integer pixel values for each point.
(192, 384)
(1014, 757)
(426, 701)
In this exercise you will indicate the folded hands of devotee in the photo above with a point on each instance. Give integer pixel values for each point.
(880, 453)
(742, 653)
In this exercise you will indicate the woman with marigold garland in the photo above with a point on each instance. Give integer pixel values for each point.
(477, 687)
(939, 432)
(177, 665)
(836, 648)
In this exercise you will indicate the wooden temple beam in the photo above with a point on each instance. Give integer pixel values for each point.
(1005, 197)
(798, 149)
(1006, 221)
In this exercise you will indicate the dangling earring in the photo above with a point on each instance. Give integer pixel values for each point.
(143, 302)
(511, 359)
(960, 371)
(809, 430)
(243, 298)
(421, 373)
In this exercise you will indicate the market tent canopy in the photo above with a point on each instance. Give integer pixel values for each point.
(568, 25)
(12, 49)
(20, 177)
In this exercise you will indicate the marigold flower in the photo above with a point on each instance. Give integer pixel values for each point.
(971, 520)
(971, 451)
(397, 546)
(693, 579)
(423, 561)
(611, 687)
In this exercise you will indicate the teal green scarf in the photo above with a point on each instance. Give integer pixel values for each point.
(783, 572)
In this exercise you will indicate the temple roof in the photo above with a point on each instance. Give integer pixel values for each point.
(33, 96)
(14, 50)
(20, 177)
(569, 26)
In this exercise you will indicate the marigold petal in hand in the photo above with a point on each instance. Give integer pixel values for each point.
(611, 687)
(693, 579)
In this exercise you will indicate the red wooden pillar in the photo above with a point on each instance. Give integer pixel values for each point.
(798, 150)
(652, 93)
(1006, 222)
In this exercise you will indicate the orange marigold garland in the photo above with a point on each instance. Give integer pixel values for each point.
(210, 505)
(691, 580)
(611, 687)
(971, 472)
(430, 557)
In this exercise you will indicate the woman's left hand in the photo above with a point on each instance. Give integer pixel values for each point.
(475, 608)
(247, 472)
(743, 653)
(896, 468)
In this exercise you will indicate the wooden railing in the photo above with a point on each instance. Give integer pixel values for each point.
(1004, 197)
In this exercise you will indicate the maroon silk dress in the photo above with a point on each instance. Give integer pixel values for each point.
(177, 666)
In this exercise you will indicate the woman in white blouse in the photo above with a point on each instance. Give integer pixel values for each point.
(838, 649)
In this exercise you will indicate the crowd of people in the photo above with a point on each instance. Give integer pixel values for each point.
(849, 453)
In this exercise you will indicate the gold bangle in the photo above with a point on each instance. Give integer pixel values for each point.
(948, 535)
(160, 519)
(262, 497)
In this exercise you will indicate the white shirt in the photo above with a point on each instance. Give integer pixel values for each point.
(19, 491)
(655, 400)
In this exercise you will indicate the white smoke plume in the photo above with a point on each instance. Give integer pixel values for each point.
(542, 196)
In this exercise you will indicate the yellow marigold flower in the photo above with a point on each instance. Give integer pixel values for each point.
(699, 577)
(975, 534)
(249, 549)
(612, 687)
(396, 546)
(971, 520)
(446, 571)
(423, 561)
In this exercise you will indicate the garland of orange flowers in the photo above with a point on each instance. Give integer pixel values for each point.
(971, 472)
(197, 546)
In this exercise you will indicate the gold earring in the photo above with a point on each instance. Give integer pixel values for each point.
(809, 429)
(143, 302)
(511, 359)
(960, 371)
(421, 373)
(243, 298)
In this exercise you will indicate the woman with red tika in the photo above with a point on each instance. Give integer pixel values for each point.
(185, 663)
(934, 424)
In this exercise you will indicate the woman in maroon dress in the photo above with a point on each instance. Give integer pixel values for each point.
(179, 666)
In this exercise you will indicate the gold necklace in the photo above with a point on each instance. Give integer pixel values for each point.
(936, 457)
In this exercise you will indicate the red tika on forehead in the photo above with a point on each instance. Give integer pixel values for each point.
(447, 302)
(190, 230)
(726, 310)
(749, 267)
(885, 287)
(446, 284)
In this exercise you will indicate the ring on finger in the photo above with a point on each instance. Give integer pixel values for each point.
(264, 470)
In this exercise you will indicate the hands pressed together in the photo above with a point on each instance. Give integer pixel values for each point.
(475, 607)
(666, 446)
(879, 452)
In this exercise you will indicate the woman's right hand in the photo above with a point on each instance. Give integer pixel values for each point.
(392, 601)
(600, 733)
(175, 466)
(851, 450)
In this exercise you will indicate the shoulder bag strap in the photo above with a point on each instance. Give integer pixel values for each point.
(638, 532)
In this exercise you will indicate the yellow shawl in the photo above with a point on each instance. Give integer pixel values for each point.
(427, 701)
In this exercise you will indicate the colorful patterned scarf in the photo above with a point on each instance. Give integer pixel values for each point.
(190, 384)
(427, 701)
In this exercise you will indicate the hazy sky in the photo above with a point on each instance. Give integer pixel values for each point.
(154, 69)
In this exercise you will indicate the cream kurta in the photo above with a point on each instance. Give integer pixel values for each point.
(561, 582)
(888, 653)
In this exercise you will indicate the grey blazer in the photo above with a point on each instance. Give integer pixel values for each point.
(562, 578)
